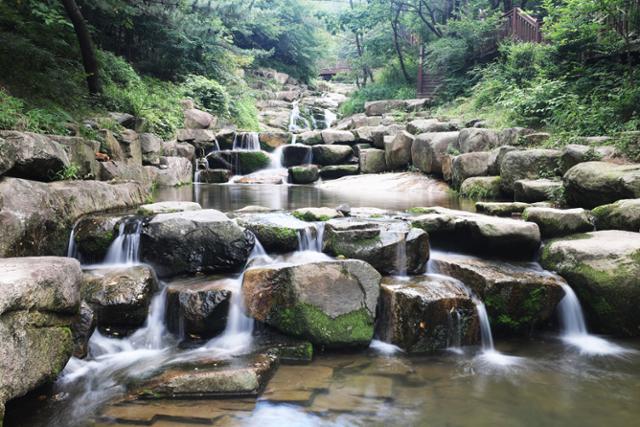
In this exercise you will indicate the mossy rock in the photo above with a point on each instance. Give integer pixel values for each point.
(93, 236)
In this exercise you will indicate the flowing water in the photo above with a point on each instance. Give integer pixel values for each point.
(125, 249)
(246, 141)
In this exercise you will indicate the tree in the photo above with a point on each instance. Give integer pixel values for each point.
(87, 51)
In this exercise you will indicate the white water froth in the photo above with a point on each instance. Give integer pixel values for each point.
(384, 348)
(574, 328)
(125, 249)
(246, 141)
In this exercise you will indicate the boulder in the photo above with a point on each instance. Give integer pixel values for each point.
(213, 176)
(198, 310)
(477, 139)
(34, 156)
(481, 187)
(178, 149)
(178, 171)
(536, 138)
(519, 298)
(296, 154)
(325, 155)
(273, 140)
(124, 119)
(92, 236)
(311, 137)
(379, 134)
(277, 233)
(330, 303)
(316, 214)
(204, 140)
(129, 141)
(592, 184)
(573, 154)
(198, 119)
(398, 151)
(82, 154)
(536, 190)
(501, 208)
(245, 162)
(305, 174)
(119, 297)
(338, 171)
(167, 207)
(428, 150)
(528, 164)
(82, 328)
(111, 145)
(378, 108)
(419, 126)
(7, 156)
(480, 234)
(559, 222)
(331, 136)
(425, 314)
(39, 298)
(447, 167)
(195, 241)
(35, 218)
(390, 247)
(372, 160)
(361, 146)
(603, 268)
(122, 170)
(366, 134)
(513, 136)
(468, 165)
(495, 159)
(151, 146)
(621, 215)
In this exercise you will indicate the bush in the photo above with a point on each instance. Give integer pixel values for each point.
(207, 93)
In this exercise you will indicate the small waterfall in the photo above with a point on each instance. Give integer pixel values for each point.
(246, 141)
(329, 118)
(454, 330)
(574, 328)
(401, 257)
(276, 157)
(306, 239)
(125, 249)
(72, 249)
(486, 337)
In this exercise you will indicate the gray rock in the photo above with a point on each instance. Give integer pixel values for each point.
(121, 170)
(316, 214)
(390, 247)
(151, 146)
(481, 188)
(202, 139)
(325, 155)
(296, 154)
(425, 314)
(378, 108)
(178, 171)
(513, 136)
(338, 171)
(469, 165)
(277, 233)
(477, 139)
(501, 208)
(621, 215)
(536, 190)
(198, 119)
(518, 298)
(82, 328)
(312, 137)
(178, 149)
(129, 141)
(36, 156)
(603, 269)
(398, 151)
(245, 162)
(214, 176)
(82, 154)
(573, 154)
(528, 164)
(93, 235)
(419, 126)
(379, 134)
(7, 156)
(559, 222)
(480, 234)
(167, 207)
(495, 160)
(273, 140)
(428, 149)
(331, 136)
(372, 160)
(196, 241)
(330, 303)
(305, 174)
(592, 184)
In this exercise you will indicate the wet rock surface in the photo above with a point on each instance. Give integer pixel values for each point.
(592, 184)
(558, 222)
(621, 215)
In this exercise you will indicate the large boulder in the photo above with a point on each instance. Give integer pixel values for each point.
(398, 151)
(621, 215)
(480, 234)
(178, 149)
(390, 247)
(372, 160)
(213, 176)
(332, 136)
(495, 159)
(296, 154)
(573, 154)
(603, 268)
(316, 214)
(7, 156)
(39, 298)
(429, 148)
(82, 154)
(278, 233)
(338, 171)
(198, 309)
(174, 171)
(120, 297)
(419, 126)
(331, 303)
(477, 139)
(198, 119)
(203, 140)
(469, 165)
(122, 170)
(151, 146)
(528, 164)
(378, 108)
(195, 241)
(129, 141)
(325, 155)
(152, 209)
(536, 190)
(592, 184)
(310, 137)
(426, 313)
(34, 156)
(35, 218)
(519, 298)
(304, 174)
(481, 188)
(92, 236)
(501, 208)
(246, 162)
(559, 222)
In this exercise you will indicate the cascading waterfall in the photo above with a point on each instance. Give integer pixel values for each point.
(307, 241)
(72, 248)
(454, 332)
(574, 328)
(125, 249)
(329, 118)
(246, 141)
(401, 257)
(276, 157)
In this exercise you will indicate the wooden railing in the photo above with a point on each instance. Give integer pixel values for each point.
(521, 26)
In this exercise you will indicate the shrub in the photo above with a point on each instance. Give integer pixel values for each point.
(207, 93)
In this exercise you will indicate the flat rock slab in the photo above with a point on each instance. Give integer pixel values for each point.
(621, 215)
(519, 296)
(168, 207)
(480, 234)
(402, 182)
(298, 384)
(559, 222)
(279, 233)
(591, 184)
(603, 268)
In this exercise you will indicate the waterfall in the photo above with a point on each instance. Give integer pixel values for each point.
(125, 249)
(306, 239)
(486, 337)
(401, 257)
(454, 330)
(72, 249)
(329, 118)
(276, 157)
(246, 141)
(574, 328)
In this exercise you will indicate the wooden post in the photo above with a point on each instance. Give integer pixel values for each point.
(420, 72)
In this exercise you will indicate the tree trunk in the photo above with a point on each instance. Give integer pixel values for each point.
(89, 60)
(396, 44)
